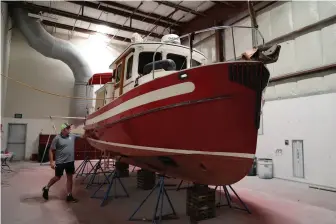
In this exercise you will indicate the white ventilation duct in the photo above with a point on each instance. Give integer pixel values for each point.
(43, 42)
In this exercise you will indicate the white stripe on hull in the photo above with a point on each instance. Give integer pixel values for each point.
(156, 95)
(179, 151)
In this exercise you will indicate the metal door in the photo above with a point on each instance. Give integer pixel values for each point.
(298, 166)
(16, 141)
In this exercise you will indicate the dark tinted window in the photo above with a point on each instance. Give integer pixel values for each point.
(180, 61)
(129, 67)
(195, 63)
(118, 73)
(146, 58)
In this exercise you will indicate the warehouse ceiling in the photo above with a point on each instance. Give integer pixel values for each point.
(118, 20)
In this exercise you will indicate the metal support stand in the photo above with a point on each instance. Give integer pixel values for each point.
(229, 199)
(83, 166)
(157, 218)
(93, 174)
(179, 186)
(112, 178)
(4, 164)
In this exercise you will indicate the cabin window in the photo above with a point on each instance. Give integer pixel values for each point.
(129, 68)
(180, 61)
(146, 58)
(118, 75)
(195, 63)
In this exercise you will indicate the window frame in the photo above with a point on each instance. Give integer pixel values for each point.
(186, 60)
(126, 68)
(192, 60)
(148, 51)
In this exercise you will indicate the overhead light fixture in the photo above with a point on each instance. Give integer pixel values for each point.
(102, 29)
(42, 17)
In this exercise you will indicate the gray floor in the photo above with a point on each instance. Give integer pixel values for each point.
(271, 201)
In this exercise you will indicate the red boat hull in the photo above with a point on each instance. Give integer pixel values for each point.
(202, 128)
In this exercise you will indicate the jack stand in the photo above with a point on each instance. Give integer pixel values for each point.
(166, 185)
(94, 172)
(179, 186)
(4, 164)
(114, 177)
(229, 199)
(83, 166)
(161, 194)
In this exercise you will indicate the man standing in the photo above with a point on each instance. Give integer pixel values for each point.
(64, 147)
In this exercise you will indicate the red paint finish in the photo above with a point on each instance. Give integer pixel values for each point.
(100, 78)
(218, 116)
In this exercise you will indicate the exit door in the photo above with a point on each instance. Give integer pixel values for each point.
(16, 141)
(298, 159)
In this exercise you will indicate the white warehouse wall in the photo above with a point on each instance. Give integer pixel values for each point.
(311, 119)
(301, 108)
(31, 67)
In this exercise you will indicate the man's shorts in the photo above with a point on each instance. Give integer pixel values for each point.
(68, 167)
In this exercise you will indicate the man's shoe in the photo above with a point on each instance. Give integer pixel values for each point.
(45, 194)
(70, 198)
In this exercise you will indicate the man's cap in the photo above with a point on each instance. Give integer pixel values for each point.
(65, 125)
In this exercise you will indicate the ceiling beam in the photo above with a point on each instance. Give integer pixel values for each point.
(219, 12)
(82, 30)
(37, 8)
(122, 13)
(180, 7)
(166, 20)
(224, 2)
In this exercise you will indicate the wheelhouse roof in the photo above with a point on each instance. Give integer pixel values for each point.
(147, 43)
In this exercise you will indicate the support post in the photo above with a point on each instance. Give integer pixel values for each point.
(253, 23)
(219, 39)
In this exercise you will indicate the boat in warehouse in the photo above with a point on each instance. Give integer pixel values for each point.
(166, 110)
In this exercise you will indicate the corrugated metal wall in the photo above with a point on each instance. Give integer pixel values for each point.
(301, 52)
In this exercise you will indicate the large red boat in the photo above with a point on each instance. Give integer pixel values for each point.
(178, 115)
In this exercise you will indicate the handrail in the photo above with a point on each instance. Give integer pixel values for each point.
(207, 30)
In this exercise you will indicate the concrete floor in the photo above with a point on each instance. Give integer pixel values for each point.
(271, 202)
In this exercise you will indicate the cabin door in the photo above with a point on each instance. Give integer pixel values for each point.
(118, 78)
(128, 73)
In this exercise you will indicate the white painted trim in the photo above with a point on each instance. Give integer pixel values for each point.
(160, 94)
(180, 151)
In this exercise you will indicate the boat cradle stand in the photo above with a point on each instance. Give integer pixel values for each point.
(180, 184)
(94, 173)
(229, 199)
(112, 179)
(84, 166)
(157, 218)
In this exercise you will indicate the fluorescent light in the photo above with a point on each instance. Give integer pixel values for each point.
(41, 17)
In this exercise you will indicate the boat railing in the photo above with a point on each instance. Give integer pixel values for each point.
(191, 37)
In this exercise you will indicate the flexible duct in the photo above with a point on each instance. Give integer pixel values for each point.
(43, 42)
